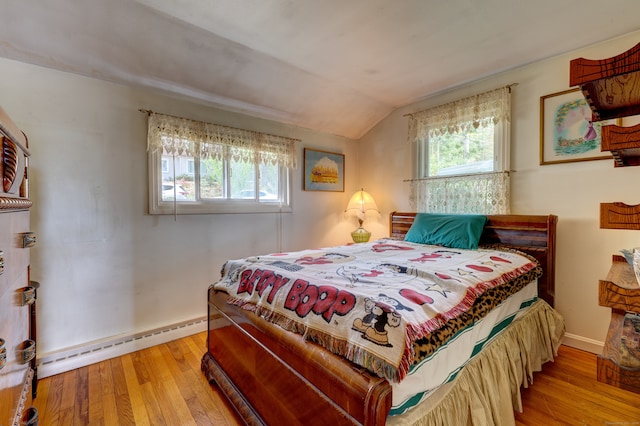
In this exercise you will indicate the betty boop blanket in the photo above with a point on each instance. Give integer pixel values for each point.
(369, 302)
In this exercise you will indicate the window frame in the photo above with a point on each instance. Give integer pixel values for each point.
(181, 138)
(501, 148)
(158, 206)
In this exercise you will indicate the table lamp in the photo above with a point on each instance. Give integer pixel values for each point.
(360, 203)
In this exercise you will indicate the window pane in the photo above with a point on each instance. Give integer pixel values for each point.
(211, 178)
(242, 180)
(177, 183)
(269, 177)
(167, 167)
(461, 153)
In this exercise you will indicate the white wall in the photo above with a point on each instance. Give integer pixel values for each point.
(572, 191)
(105, 266)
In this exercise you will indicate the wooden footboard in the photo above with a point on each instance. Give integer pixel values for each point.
(274, 377)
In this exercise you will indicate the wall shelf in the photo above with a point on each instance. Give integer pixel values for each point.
(624, 144)
(619, 216)
(611, 86)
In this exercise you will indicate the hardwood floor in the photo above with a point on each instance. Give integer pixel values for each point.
(163, 385)
(566, 392)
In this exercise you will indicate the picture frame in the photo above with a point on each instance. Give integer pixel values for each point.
(323, 171)
(567, 133)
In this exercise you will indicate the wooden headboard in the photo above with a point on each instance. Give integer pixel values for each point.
(532, 234)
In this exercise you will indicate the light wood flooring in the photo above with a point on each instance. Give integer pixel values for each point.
(163, 385)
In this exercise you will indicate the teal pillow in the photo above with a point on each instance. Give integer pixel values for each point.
(449, 230)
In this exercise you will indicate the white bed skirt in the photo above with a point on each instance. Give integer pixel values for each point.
(487, 391)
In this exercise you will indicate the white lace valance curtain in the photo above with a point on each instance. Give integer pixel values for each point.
(484, 193)
(181, 136)
(480, 110)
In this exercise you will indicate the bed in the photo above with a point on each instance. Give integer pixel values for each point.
(276, 370)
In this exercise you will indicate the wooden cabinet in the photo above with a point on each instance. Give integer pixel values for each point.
(17, 295)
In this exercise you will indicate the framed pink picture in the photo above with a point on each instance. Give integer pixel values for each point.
(567, 132)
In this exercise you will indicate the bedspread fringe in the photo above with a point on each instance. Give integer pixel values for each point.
(416, 331)
(487, 391)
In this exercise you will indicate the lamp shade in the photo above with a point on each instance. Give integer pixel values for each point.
(360, 203)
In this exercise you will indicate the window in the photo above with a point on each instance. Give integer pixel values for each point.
(462, 155)
(198, 167)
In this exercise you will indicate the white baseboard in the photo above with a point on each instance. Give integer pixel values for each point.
(82, 355)
(583, 343)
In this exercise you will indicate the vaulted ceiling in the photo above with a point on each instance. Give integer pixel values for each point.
(336, 66)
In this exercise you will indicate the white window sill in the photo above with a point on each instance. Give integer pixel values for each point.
(193, 207)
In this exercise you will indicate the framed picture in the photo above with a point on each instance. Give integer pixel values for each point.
(323, 171)
(567, 133)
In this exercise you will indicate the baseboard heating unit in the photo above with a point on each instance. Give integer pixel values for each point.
(92, 352)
